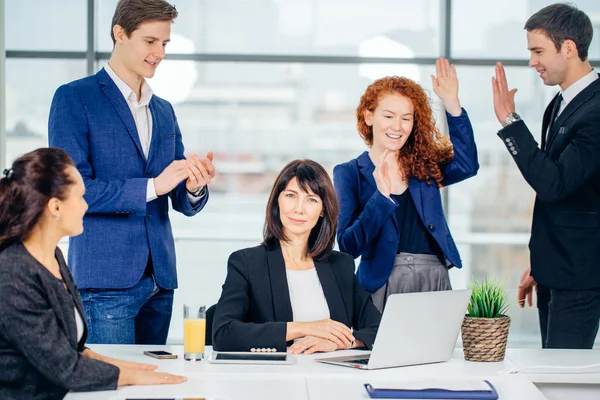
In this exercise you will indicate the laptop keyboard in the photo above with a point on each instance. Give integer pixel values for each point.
(362, 361)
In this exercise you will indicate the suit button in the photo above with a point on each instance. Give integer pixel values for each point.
(431, 227)
(148, 215)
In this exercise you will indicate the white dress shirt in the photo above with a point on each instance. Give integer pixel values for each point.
(569, 93)
(306, 295)
(140, 110)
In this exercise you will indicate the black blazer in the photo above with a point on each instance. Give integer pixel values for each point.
(565, 174)
(255, 306)
(40, 357)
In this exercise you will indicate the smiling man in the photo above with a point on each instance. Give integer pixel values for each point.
(127, 145)
(565, 174)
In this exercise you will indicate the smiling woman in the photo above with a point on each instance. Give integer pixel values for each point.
(402, 235)
(294, 289)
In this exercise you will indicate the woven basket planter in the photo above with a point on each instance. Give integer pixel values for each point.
(484, 339)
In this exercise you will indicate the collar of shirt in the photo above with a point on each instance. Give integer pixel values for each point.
(569, 93)
(127, 92)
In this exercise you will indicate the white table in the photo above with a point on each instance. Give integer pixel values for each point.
(306, 379)
(561, 382)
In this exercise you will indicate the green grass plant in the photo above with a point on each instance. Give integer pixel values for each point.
(488, 299)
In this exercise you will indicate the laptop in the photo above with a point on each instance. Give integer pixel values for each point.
(416, 328)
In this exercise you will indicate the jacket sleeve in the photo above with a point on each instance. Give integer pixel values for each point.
(358, 227)
(68, 128)
(231, 329)
(366, 316)
(28, 323)
(554, 180)
(465, 163)
(179, 197)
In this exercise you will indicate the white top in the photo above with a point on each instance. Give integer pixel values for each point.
(569, 93)
(140, 110)
(141, 116)
(306, 295)
(79, 324)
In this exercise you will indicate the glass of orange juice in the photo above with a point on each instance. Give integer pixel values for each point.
(194, 331)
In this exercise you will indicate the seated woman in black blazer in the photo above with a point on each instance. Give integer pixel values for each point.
(42, 322)
(294, 289)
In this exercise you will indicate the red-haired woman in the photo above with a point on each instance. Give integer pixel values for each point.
(390, 205)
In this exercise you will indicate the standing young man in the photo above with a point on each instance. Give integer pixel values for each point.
(565, 174)
(127, 146)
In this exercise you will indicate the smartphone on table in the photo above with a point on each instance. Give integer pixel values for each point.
(160, 354)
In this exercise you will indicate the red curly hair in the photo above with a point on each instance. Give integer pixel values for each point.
(426, 149)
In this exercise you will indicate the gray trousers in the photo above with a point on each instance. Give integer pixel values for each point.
(413, 273)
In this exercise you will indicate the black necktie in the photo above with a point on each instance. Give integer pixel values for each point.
(553, 115)
(555, 110)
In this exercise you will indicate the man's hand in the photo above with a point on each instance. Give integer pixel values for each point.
(504, 99)
(171, 176)
(200, 172)
(525, 288)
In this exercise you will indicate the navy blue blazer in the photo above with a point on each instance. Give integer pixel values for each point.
(367, 221)
(91, 120)
(255, 306)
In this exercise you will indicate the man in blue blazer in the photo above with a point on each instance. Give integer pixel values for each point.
(127, 145)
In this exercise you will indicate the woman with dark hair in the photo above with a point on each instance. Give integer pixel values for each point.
(294, 289)
(401, 235)
(42, 322)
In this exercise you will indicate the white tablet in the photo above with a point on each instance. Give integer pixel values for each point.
(234, 357)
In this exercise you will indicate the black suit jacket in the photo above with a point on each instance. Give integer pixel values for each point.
(565, 232)
(255, 306)
(40, 357)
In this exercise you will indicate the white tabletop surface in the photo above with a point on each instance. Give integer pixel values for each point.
(557, 366)
(305, 379)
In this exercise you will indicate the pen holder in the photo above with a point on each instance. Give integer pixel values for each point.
(484, 339)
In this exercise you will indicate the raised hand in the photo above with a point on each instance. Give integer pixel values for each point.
(200, 172)
(504, 99)
(445, 85)
(382, 175)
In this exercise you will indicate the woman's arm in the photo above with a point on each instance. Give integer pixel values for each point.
(28, 323)
(231, 329)
(358, 226)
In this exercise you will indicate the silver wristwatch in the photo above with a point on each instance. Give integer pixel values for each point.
(510, 118)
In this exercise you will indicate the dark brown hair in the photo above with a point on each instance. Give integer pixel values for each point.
(26, 188)
(562, 22)
(130, 14)
(425, 148)
(311, 176)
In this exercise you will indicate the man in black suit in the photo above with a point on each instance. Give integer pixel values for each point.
(565, 174)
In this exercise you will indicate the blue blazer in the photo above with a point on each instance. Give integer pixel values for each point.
(91, 120)
(367, 221)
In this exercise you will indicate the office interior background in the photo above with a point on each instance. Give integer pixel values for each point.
(262, 82)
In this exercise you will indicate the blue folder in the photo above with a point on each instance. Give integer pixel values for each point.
(433, 393)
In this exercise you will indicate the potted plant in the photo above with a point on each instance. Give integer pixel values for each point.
(485, 327)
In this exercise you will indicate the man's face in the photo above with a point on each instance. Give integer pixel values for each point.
(548, 62)
(144, 49)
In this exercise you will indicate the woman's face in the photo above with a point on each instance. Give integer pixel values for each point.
(299, 211)
(73, 208)
(392, 122)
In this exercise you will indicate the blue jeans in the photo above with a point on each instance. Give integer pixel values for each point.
(137, 315)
